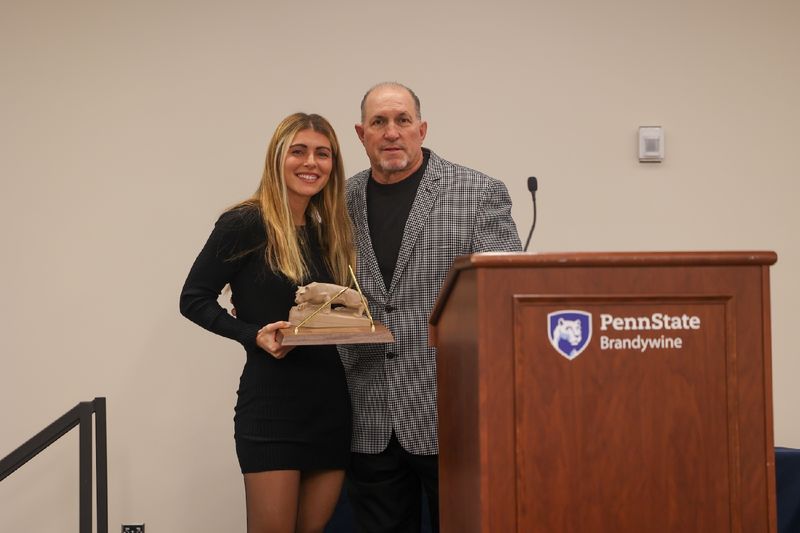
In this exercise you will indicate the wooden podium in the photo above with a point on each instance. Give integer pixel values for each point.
(650, 411)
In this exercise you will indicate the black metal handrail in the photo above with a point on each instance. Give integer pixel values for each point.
(80, 415)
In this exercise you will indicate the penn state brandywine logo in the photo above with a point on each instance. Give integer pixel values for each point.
(569, 331)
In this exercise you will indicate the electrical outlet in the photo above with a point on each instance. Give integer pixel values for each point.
(133, 528)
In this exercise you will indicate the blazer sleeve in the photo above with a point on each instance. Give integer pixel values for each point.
(495, 230)
(215, 266)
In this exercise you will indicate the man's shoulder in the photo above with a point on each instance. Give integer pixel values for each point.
(354, 186)
(357, 180)
(458, 174)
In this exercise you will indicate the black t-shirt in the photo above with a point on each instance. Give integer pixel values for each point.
(388, 207)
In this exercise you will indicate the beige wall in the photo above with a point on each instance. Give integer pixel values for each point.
(126, 127)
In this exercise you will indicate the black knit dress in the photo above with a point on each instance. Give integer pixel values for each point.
(292, 413)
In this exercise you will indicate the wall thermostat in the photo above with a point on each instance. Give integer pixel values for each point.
(651, 144)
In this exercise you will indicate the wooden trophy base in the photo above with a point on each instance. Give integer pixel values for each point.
(335, 335)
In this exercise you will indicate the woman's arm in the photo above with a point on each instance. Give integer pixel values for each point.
(215, 266)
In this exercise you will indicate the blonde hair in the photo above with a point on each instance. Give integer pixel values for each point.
(326, 210)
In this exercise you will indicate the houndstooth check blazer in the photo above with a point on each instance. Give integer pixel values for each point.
(457, 211)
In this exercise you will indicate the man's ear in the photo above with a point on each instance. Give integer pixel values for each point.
(360, 132)
(423, 129)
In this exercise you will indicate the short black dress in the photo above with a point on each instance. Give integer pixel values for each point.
(291, 413)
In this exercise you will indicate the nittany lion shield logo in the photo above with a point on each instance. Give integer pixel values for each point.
(569, 331)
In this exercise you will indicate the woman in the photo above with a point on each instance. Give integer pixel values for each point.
(292, 422)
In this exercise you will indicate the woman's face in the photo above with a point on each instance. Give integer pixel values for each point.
(307, 167)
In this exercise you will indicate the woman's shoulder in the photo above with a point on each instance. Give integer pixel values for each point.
(241, 217)
(240, 228)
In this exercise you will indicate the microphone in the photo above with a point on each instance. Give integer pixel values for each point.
(533, 184)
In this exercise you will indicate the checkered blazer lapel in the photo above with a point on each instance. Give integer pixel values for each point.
(363, 240)
(417, 218)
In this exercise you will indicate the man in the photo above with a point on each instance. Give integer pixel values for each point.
(413, 213)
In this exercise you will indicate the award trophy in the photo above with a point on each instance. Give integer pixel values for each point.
(332, 314)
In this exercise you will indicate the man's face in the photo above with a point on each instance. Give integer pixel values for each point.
(392, 134)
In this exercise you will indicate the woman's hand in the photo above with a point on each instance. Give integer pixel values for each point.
(267, 339)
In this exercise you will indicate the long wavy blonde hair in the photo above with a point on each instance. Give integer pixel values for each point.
(326, 211)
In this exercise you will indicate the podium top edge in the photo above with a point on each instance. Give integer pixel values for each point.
(594, 259)
(580, 259)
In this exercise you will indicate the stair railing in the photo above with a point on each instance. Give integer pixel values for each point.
(80, 415)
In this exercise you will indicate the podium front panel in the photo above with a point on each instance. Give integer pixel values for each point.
(629, 429)
(632, 393)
